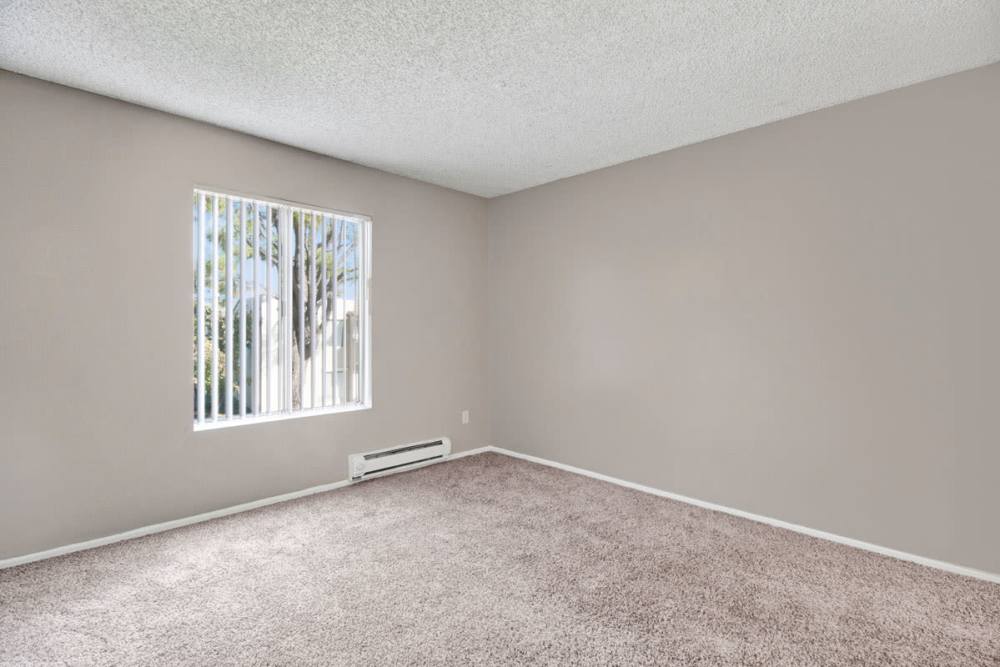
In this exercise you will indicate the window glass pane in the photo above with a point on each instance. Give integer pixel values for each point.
(326, 314)
(270, 380)
(278, 308)
(309, 302)
(350, 310)
(298, 308)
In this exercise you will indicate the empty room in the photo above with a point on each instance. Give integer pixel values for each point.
(555, 332)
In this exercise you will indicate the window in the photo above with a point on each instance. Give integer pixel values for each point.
(281, 310)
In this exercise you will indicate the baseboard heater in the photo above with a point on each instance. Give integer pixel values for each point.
(396, 459)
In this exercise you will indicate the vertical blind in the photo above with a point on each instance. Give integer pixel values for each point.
(281, 312)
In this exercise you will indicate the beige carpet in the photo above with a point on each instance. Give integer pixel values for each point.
(490, 560)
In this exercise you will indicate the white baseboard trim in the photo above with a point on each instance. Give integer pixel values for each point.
(243, 507)
(778, 523)
(470, 452)
(198, 518)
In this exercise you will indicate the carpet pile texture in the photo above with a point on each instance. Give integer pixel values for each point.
(490, 560)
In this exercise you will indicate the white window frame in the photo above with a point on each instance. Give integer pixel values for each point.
(365, 285)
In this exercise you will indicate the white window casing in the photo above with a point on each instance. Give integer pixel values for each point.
(282, 315)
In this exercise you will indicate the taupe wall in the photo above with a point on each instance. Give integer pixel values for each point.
(95, 318)
(800, 320)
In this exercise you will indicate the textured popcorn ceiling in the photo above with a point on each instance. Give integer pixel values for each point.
(492, 97)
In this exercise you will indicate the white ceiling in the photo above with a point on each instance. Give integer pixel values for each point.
(492, 97)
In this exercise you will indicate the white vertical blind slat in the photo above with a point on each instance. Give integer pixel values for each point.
(312, 312)
(229, 307)
(215, 306)
(243, 310)
(286, 303)
(302, 314)
(254, 343)
(323, 304)
(266, 381)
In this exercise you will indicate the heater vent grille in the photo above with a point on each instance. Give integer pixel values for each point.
(399, 450)
(397, 459)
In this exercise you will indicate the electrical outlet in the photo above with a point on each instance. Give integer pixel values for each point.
(465, 416)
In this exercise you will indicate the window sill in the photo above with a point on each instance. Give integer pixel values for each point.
(263, 419)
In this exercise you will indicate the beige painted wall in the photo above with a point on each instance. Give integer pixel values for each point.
(95, 199)
(800, 320)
